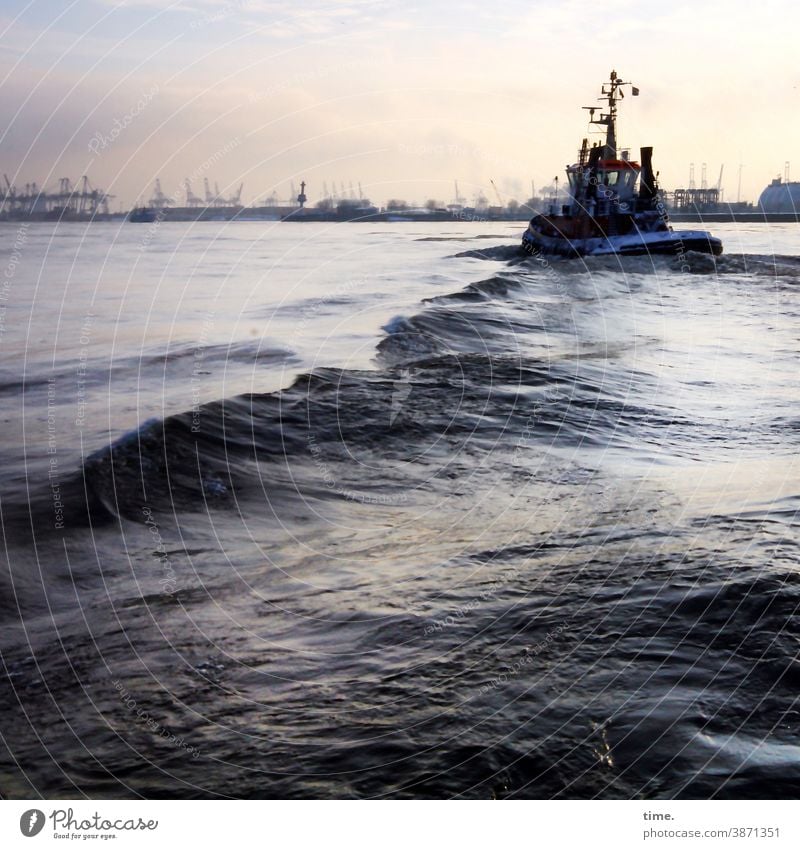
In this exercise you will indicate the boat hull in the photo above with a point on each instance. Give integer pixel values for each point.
(142, 215)
(669, 242)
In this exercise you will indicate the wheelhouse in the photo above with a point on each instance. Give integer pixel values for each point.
(607, 180)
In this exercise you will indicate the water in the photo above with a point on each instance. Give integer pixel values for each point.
(386, 510)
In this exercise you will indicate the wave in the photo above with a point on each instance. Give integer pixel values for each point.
(497, 253)
(456, 237)
(759, 265)
(237, 453)
(97, 371)
(457, 329)
(244, 351)
(462, 374)
(500, 286)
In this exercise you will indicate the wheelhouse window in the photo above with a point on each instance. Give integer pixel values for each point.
(620, 181)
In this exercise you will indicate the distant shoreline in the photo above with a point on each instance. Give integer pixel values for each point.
(677, 217)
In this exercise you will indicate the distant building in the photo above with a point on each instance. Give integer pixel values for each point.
(694, 200)
(780, 196)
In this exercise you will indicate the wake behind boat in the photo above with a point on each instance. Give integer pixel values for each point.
(614, 204)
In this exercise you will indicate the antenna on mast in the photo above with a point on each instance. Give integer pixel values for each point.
(610, 93)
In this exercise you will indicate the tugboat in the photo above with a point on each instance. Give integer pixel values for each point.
(611, 210)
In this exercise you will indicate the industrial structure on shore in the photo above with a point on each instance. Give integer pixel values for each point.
(781, 197)
(778, 202)
(690, 203)
(185, 205)
(335, 205)
(66, 201)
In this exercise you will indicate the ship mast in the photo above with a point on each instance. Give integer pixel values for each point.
(611, 92)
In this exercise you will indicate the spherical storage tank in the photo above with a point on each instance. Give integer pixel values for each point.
(780, 197)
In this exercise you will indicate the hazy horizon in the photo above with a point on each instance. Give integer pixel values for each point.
(403, 99)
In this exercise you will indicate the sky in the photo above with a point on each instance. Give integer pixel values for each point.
(401, 98)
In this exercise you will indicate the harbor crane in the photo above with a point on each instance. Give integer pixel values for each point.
(497, 194)
(67, 200)
(191, 199)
